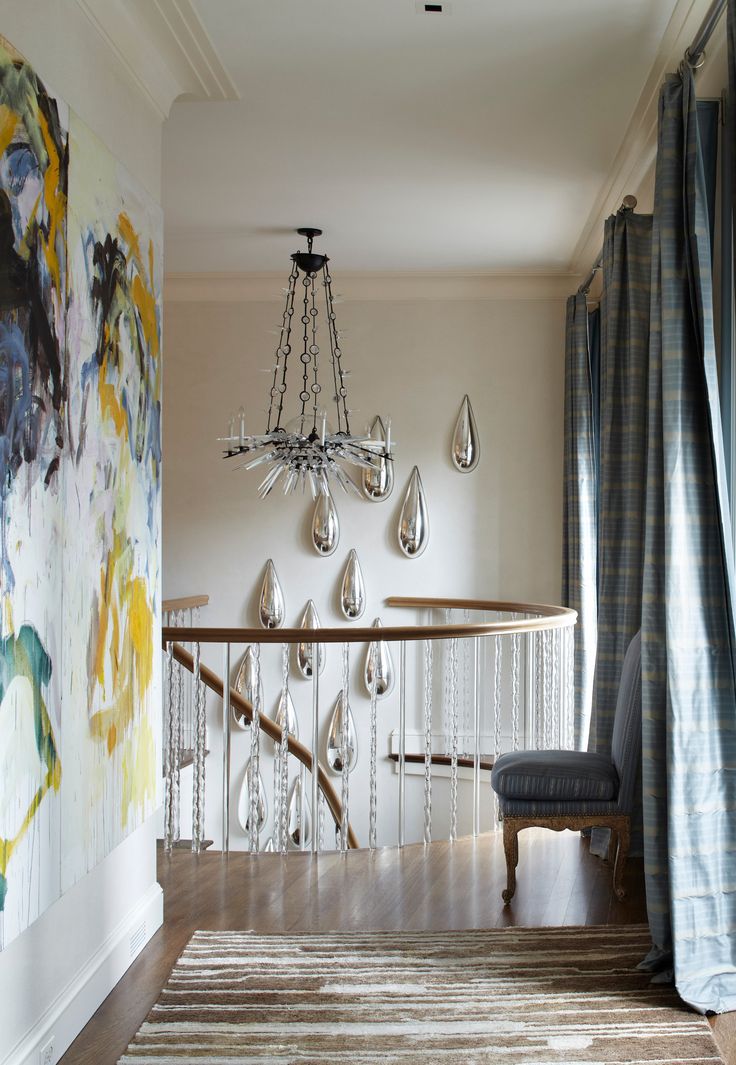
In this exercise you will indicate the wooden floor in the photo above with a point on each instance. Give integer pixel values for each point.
(443, 886)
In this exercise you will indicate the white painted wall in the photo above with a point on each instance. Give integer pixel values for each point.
(56, 973)
(495, 533)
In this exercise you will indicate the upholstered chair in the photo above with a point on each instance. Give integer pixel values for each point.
(577, 789)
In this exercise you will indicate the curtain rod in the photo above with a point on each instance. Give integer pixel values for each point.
(629, 203)
(693, 56)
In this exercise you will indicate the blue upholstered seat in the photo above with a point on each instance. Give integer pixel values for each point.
(576, 789)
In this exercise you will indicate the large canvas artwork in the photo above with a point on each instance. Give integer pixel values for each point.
(80, 468)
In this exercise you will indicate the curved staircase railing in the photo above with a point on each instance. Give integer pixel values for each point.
(517, 675)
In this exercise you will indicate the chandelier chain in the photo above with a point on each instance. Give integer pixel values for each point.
(278, 388)
(316, 387)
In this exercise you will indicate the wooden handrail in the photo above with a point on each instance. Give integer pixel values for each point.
(549, 617)
(272, 730)
(186, 602)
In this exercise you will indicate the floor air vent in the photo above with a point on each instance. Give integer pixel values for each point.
(137, 939)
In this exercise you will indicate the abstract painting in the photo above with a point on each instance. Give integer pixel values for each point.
(80, 470)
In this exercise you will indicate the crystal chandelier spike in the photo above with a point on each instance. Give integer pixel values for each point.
(300, 447)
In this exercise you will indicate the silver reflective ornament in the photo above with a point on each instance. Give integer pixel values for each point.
(268, 847)
(310, 620)
(413, 528)
(465, 440)
(271, 603)
(325, 524)
(342, 719)
(378, 481)
(299, 820)
(244, 802)
(286, 710)
(352, 592)
(379, 665)
(248, 678)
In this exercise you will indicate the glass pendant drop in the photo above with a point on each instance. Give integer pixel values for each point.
(310, 620)
(286, 710)
(413, 528)
(352, 592)
(379, 665)
(299, 820)
(248, 684)
(378, 480)
(325, 524)
(465, 440)
(271, 603)
(337, 737)
(244, 802)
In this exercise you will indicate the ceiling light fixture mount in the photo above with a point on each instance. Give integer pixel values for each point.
(307, 450)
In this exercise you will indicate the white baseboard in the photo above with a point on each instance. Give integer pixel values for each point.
(89, 987)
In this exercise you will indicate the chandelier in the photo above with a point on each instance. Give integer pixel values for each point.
(305, 449)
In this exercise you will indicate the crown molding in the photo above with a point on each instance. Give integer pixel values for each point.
(364, 287)
(163, 48)
(635, 157)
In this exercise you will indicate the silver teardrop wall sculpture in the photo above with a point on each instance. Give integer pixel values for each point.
(271, 607)
(325, 524)
(465, 440)
(413, 528)
(268, 847)
(342, 717)
(352, 592)
(379, 664)
(299, 820)
(244, 802)
(310, 620)
(378, 481)
(286, 709)
(246, 680)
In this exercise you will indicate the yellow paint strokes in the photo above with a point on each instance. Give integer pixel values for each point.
(55, 201)
(110, 405)
(144, 297)
(8, 124)
(123, 658)
(139, 769)
(7, 846)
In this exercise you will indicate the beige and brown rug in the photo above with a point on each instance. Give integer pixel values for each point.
(514, 996)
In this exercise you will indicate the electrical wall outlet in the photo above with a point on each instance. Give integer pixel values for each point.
(46, 1053)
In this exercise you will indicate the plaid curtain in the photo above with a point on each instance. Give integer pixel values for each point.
(689, 682)
(579, 533)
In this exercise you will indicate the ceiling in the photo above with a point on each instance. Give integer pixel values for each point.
(474, 141)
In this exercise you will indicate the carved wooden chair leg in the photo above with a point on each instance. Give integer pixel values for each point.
(624, 842)
(511, 850)
(612, 848)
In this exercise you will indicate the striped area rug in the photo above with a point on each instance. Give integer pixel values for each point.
(515, 996)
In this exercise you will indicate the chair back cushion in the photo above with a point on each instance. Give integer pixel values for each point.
(626, 741)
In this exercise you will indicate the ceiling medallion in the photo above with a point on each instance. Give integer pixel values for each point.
(306, 449)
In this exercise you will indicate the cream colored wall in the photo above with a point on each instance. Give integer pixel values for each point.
(495, 533)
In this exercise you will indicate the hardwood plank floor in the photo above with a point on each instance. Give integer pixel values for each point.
(444, 886)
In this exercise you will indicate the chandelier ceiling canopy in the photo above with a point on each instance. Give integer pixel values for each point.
(300, 446)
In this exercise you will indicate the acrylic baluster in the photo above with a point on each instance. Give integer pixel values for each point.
(515, 694)
(497, 666)
(402, 743)
(315, 741)
(346, 751)
(453, 738)
(200, 746)
(170, 760)
(428, 650)
(226, 749)
(255, 749)
(373, 673)
(476, 736)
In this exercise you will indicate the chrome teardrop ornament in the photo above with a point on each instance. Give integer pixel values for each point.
(325, 524)
(286, 709)
(465, 440)
(268, 847)
(299, 820)
(271, 603)
(414, 518)
(244, 802)
(342, 718)
(379, 664)
(246, 681)
(352, 592)
(378, 481)
(310, 620)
